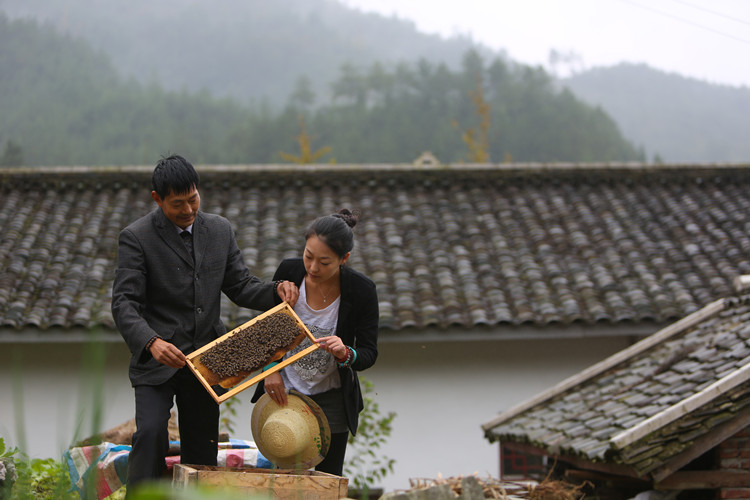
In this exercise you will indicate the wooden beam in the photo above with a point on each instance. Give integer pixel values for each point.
(704, 480)
(703, 444)
(615, 469)
(623, 481)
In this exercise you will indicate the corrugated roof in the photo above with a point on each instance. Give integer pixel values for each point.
(652, 404)
(447, 246)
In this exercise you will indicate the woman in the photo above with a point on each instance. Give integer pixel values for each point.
(340, 308)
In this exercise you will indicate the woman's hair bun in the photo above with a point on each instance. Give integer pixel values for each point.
(351, 218)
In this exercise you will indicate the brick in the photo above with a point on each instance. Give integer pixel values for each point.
(735, 493)
(735, 442)
(735, 463)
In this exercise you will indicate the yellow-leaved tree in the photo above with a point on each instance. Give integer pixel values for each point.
(477, 140)
(307, 155)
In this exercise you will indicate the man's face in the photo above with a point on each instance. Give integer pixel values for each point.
(181, 209)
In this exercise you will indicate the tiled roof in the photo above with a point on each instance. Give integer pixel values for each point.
(651, 404)
(447, 246)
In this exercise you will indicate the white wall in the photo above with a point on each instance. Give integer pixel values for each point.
(61, 391)
(444, 392)
(441, 391)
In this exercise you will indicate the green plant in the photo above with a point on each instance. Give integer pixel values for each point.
(166, 491)
(228, 415)
(38, 479)
(6, 453)
(366, 466)
(7, 469)
(47, 479)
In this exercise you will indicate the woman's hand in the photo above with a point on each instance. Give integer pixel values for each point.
(334, 345)
(275, 389)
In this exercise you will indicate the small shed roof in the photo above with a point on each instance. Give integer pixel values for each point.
(652, 408)
(462, 246)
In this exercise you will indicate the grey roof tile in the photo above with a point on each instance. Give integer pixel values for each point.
(488, 245)
(652, 381)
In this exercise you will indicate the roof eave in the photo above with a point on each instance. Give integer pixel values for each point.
(57, 335)
(502, 333)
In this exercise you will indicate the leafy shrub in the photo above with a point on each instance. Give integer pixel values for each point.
(38, 479)
(366, 467)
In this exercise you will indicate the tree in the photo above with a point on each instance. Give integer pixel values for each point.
(477, 140)
(306, 154)
(12, 155)
(303, 95)
(381, 83)
(71, 100)
(351, 86)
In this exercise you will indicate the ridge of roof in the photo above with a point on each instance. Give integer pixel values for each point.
(531, 167)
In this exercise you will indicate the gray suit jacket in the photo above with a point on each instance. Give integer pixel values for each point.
(158, 290)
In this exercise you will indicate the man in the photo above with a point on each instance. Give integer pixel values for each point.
(166, 303)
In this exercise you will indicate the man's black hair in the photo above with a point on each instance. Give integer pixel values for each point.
(174, 174)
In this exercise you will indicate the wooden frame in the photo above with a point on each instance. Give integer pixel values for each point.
(279, 484)
(210, 379)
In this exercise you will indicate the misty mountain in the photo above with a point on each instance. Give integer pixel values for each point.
(268, 52)
(62, 103)
(252, 50)
(677, 118)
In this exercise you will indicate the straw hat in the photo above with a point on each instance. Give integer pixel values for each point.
(295, 436)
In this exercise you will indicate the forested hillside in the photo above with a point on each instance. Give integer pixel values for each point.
(676, 118)
(251, 50)
(64, 103)
(265, 56)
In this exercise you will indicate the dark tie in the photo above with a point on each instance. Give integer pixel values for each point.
(187, 237)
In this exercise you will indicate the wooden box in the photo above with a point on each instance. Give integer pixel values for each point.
(210, 379)
(264, 483)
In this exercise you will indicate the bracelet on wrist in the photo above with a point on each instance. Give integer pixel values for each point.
(351, 355)
(276, 287)
(151, 341)
(270, 365)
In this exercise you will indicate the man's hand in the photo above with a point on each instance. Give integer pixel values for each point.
(167, 354)
(288, 292)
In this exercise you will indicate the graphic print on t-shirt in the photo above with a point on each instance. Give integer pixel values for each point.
(316, 362)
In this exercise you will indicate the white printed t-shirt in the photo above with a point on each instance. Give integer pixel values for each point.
(316, 372)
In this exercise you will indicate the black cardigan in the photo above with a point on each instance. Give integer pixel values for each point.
(357, 326)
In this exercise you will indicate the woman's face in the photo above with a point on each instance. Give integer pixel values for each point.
(321, 263)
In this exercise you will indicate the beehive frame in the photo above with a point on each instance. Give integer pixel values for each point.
(208, 379)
